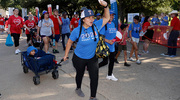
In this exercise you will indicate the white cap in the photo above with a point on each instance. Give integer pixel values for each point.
(174, 12)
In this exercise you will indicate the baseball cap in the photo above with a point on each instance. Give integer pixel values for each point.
(83, 8)
(75, 13)
(45, 12)
(111, 12)
(87, 13)
(98, 14)
(123, 26)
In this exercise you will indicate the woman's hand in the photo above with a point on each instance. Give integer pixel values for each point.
(65, 58)
(53, 35)
(102, 3)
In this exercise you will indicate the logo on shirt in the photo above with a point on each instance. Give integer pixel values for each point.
(17, 21)
(30, 25)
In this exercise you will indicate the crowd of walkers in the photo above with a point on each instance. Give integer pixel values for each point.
(85, 36)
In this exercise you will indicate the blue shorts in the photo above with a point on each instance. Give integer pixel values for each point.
(57, 37)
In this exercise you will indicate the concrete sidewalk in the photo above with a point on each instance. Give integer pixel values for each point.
(157, 78)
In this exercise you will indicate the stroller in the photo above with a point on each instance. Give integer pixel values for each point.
(35, 42)
(38, 67)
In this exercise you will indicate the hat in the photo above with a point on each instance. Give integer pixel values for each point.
(87, 13)
(75, 13)
(111, 12)
(45, 12)
(29, 49)
(64, 13)
(123, 26)
(83, 8)
(174, 12)
(98, 14)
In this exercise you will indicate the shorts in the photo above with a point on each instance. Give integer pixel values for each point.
(2, 26)
(149, 34)
(45, 36)
(57, 37)
(122, 47)
(136, 40)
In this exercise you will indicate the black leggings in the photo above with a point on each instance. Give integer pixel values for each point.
(28, 37)
(16, 38)
(111, 63)
(63, 39)
(92, 65)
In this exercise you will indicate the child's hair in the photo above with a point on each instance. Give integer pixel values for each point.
(123, 26)
(136, 17)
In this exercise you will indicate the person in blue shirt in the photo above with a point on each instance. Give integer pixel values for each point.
(134, 30)
(87, 38)
(110, 34)
(164, 20)
(98, 17)
(155, 20)
(65, 28)
(142, 18)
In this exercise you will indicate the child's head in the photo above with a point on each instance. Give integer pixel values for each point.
(136, 19)
(123, 27)
(31, 51)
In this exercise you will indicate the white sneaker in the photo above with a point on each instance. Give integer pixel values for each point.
(138, 62)
(16, 51)
(111, 78)
(19, 50)
(131, 59)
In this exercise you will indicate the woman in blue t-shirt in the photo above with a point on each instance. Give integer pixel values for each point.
(155, 20)
(87, 38)
(134, 30)
(110, 34)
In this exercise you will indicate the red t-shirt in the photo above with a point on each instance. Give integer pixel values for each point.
(2, 21)
(16, 24)
(124, 38)
(56, 24)
(75, 22)
(30, 24)
(146, 25)
(175, 23)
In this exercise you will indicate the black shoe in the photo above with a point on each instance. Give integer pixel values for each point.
(116, 61)
(55, 51)
(126, 64)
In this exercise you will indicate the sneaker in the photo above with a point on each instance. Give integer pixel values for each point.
(138, 62)
(147, 51)
(93, 99)
(0, 95)
(165, 54)
(79, 92)
(143, 51)
(55, 51)
(19, 50)
(172, 56)
(16, 51)
(126, 64)
(116, 61)
(111, 78)
(131, 59)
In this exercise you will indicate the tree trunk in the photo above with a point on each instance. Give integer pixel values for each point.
(121, 12)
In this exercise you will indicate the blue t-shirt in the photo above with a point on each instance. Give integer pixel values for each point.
(165, 23)
(142, 20)
(110, 34)
(86, 46)
(155, 21)
(135, 30)
(65, 26)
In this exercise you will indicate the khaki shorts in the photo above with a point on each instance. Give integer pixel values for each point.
(135, 40)
(122, 47)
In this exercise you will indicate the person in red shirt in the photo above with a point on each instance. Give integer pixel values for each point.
(173, 34)
(56, 21)
(148, 35)
(30, 23)
(15, 24)
(1, 23)
(74, 21)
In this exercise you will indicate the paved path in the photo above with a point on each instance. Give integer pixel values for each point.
(157, 78)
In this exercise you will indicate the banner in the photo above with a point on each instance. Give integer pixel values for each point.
(24, 12)
(115, 9)
(130, 17)
(49, 9)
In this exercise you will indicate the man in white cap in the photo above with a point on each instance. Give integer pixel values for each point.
(173, 34)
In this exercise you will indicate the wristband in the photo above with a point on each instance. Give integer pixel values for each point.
(106, 6)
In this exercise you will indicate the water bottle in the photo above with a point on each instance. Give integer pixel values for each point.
(53, 42)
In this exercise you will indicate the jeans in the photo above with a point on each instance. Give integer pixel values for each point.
(172, 41)
(92, 66)
(63, 39)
